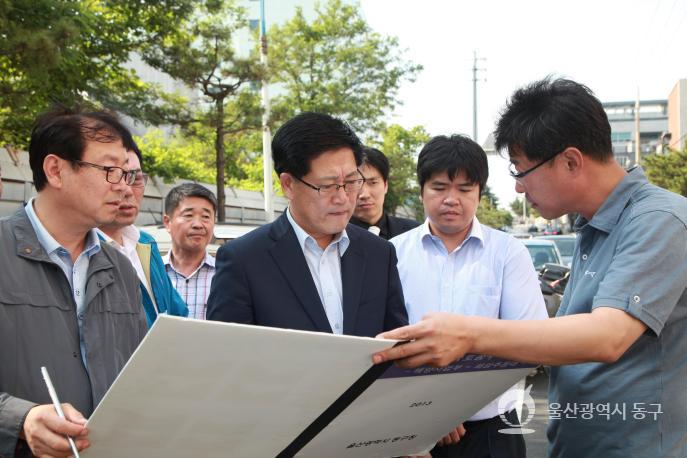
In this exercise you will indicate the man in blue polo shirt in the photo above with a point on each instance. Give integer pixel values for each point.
(620, 335)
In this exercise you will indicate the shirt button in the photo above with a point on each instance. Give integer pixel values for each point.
(584, 257)
(78, 293)
(80, 316)
(636, 299)
(187, 280)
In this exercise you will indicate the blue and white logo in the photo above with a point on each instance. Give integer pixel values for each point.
(510, 401)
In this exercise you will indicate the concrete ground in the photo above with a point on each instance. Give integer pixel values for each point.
(536, 442)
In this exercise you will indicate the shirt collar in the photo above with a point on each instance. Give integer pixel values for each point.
(48, 242)
(476, 233)
(607, 216)
(130, 237)
(341, 238)
(209, 259)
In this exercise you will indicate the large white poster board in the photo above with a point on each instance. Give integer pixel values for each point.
(201, 388)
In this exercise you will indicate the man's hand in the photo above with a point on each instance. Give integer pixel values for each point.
(437, 340)
(46, 432)
(453, 437)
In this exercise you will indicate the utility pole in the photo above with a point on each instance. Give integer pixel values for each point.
(266, 135)
(474, 92)
(638, 152)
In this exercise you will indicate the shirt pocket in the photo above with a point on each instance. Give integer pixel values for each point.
(484, 300)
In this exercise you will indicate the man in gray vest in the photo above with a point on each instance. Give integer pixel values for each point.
(67, 302)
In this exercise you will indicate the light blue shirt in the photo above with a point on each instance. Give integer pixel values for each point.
(490, 274)
(76, 272)
(325, 268)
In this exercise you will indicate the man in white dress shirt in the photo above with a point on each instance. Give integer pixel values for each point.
(453, 263)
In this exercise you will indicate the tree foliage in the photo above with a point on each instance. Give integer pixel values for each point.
(516, 208)
(201, 53)
(338, 65)
(75, 52)
(490, 215)
(668, 171)
(191, 158)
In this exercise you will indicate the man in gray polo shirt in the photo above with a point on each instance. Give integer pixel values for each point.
(619, 388)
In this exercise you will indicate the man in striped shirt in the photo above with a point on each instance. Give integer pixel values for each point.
(190, 219)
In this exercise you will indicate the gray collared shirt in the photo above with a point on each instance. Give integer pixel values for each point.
(632, 255)
(76, 272)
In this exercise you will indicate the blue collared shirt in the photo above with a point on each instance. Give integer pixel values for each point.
(632, 256)
(76, 272)
(490, 274)
(325, 268)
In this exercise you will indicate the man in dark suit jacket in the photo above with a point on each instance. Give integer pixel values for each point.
(310, 269)
(369, 211)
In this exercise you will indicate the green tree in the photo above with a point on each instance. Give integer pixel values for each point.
(516, 208)
(668, 171)
(189, 157)
(489, 214)
(75, 52)
(337, 64)
(201, 54)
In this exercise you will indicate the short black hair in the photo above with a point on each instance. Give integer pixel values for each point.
(547, 116)
(307, 135)
(375, 158)
(452, 155)
(183, 191)
(65, 132)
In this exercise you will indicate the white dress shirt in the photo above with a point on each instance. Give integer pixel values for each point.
(130, 236)
(325, 268)
(490, 274)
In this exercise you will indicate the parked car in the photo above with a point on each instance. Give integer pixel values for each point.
(542, 251)
(553, 278)
(223, 233)
(565, 245)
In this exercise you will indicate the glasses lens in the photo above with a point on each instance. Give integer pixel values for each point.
(114, 175)
(353, 186)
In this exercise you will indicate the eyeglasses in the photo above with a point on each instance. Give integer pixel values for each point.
(141, 179)
(519, 175)
(113, 174)
(349, 187)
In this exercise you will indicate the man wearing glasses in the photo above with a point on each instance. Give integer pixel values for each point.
(617, 347)
(67, 302)
(159, 296)
(310, 269)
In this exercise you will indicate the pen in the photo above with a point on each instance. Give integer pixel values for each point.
(58, 406)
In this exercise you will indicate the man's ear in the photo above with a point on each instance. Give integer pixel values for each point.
(573, 160)
(166, 220)
(53, 168)
(287, 182)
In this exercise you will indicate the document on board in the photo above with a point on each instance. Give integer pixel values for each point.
(219, 389)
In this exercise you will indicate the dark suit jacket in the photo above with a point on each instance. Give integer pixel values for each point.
(263, 278)
(390, 226)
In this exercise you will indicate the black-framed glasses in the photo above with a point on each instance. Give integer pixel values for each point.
(113, 174)
(141, 179)
(349, 187)
(519, 175)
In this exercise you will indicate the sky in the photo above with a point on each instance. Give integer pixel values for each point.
(617, 48)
